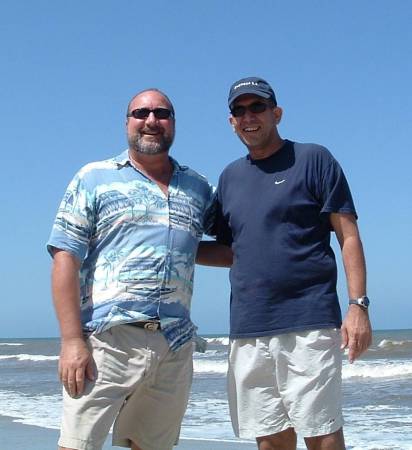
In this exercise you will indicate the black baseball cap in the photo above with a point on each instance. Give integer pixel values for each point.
(251, 85)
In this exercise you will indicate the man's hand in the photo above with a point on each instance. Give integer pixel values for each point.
(356, 332)
(75, 363)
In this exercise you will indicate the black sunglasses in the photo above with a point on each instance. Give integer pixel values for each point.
(255, 108)
(144, 113)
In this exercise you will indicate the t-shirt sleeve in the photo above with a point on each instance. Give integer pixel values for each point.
(73, 225)
(210, 213)
(221, 227)
(334, 192)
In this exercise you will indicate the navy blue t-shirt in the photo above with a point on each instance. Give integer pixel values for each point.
(275, 214)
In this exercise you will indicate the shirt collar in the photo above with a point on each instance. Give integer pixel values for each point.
(123, 160)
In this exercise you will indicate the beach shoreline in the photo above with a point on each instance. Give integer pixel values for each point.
(18, 436)
(30, 392)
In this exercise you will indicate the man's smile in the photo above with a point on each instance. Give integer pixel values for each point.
(250, 129)
(150, 132)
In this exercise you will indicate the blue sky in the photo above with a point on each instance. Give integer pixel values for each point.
(342, 72)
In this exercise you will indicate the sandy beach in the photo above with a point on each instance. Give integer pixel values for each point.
(16, 436)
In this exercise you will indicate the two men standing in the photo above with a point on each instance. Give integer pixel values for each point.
(124, 244)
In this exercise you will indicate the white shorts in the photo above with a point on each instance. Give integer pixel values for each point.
(283, 381)
(141, 385)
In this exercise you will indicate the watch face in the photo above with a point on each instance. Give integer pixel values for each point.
(365, 301)
(362, 302)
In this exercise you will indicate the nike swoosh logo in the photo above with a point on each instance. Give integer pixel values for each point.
(279, 182)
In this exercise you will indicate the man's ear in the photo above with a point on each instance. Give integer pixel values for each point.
(232, 124)
(278, 112)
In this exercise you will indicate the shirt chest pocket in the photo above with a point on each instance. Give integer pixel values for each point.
(186, 214)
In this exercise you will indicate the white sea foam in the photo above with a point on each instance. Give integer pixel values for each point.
(381, 443)
(205, 366)
(376, 431)
(207, 417)
(388, 343)
(377, 369)
(362, 369)
(12, 344)
(208, 354)
(26, 357)
(218, 340)
(41, 410)
(235, 441)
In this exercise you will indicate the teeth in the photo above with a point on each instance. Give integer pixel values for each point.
(250, 129)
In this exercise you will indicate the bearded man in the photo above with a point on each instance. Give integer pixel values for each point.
(123, 245)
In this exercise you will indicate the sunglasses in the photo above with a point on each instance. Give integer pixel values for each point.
(144, 113)
(254, 108)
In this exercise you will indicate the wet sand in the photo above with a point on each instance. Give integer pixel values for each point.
(16, 436)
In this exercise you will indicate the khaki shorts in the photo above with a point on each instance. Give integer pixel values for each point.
(141, 385)
(287, 380)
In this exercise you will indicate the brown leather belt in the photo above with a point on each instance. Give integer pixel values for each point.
(151, 325)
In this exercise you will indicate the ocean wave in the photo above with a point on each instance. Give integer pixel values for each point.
(201, 363)
(218, 340)
(26, 357)
(10, 343)
(361, 369)
(41, 410)
(204, 366)
(378, 369)
(389, 343)
(210, 353)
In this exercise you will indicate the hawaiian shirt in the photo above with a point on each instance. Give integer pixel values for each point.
(137, 246)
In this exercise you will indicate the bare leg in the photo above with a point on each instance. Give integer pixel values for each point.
(334, 441)
(285, 440)
(135, 447)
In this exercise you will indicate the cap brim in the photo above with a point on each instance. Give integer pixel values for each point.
(245, 92)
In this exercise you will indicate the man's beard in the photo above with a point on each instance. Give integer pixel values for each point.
(138, 143)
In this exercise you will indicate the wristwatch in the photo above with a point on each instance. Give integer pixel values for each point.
(363, 302)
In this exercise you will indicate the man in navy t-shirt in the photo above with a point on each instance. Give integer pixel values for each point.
(276, 210)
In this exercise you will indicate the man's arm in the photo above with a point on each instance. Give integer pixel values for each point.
(211, 253)
(356, 327)
(75, 359)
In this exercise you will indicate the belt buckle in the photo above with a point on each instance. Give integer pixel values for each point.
(151, 326)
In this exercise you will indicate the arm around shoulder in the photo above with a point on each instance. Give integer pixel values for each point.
(212, 253)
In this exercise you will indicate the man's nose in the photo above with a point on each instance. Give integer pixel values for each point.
(151, 119)
(248, 115)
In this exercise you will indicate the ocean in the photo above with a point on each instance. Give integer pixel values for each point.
(377, 391)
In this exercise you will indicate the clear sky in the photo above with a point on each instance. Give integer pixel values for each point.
(342, 72)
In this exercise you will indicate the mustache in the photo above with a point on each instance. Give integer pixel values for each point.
(151, 130)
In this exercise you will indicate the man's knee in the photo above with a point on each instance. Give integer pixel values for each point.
(333, 441)
(285, 440)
